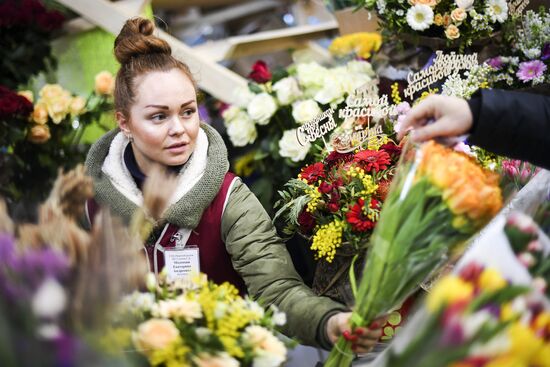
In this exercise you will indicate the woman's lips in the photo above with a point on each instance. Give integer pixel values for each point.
(177, 148)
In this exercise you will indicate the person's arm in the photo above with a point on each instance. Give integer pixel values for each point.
(513, 124)
(262, 259)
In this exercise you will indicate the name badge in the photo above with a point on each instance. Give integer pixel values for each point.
(181, 262)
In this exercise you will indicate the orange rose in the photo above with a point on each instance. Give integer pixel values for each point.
(446, 20)
(458, 15)
(452, 32)
(430, 3)
(39, 134)
(104, 83)
(40, 114)
(155, 334)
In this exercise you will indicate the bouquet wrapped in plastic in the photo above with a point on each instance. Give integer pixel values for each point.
(477, 318)
(438, 200)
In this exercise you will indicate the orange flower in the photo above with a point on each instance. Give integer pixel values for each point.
(467, 189)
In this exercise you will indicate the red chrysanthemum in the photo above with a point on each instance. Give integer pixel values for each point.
(260, 72)
(372, 160)
(358, 220)
(325, 188)
(313, 172)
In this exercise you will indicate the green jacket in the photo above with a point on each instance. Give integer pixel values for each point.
(257, 253)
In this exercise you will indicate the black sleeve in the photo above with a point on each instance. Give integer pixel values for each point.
(513, 124)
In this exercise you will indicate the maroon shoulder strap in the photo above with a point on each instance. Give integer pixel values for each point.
(92, 208)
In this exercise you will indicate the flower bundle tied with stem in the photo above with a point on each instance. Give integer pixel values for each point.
(439, 199)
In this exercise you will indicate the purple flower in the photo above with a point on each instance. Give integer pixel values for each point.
(530, 70)
(453, 334)
(496, 63)
(545, 52)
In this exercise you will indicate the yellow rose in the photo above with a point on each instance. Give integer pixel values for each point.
(491, 280)
(458, 15)
(59, 107)
(51, 91)
(77, 106)
(104, 83)
(452, 32)
(155, 334)
(39, 134)
(448, 290)
(40, 114)
(438, 20)
(27, 94)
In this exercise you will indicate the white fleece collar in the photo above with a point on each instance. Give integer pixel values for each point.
(119, 175)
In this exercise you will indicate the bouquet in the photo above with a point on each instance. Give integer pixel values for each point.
(477, 318)
(460, 22)
(262, 123)
(439, 199)
(197, 323)
(39, 135)
(528, 243)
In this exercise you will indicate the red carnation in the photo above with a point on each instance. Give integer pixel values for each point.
(306, 221)
(372, 160)
(335, 158)
(260, 72)
(393, 150)
(313, 172)
(12, 104)
(358, 220)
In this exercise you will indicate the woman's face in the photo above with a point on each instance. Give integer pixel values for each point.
(164, 120)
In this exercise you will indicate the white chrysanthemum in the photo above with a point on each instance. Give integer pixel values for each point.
(497, 10)
(242, 131)
(261, 108)
(287, 90)
(289, 147)
(420, 17)
(304, 111)
(532, 53)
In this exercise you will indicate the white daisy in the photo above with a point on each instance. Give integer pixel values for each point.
(420, 17)
(497, 10)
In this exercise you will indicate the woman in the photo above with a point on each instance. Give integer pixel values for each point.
(156, 111)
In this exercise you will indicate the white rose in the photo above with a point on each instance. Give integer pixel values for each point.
(310, 75)
(230, 113)
(361, 67)
(264, 359)
(242, 131)
(49, 300)
(261, 108)
(332, 91)
(243, 96)
(219, 360)
(287, 90)
(289, 146)
(304, 111)
(178, 308)
(464, 4)
(264, 342)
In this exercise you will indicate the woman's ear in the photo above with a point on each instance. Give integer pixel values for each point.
(122, 123)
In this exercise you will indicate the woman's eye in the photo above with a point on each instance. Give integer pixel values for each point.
(158, 117)
(188, 112)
